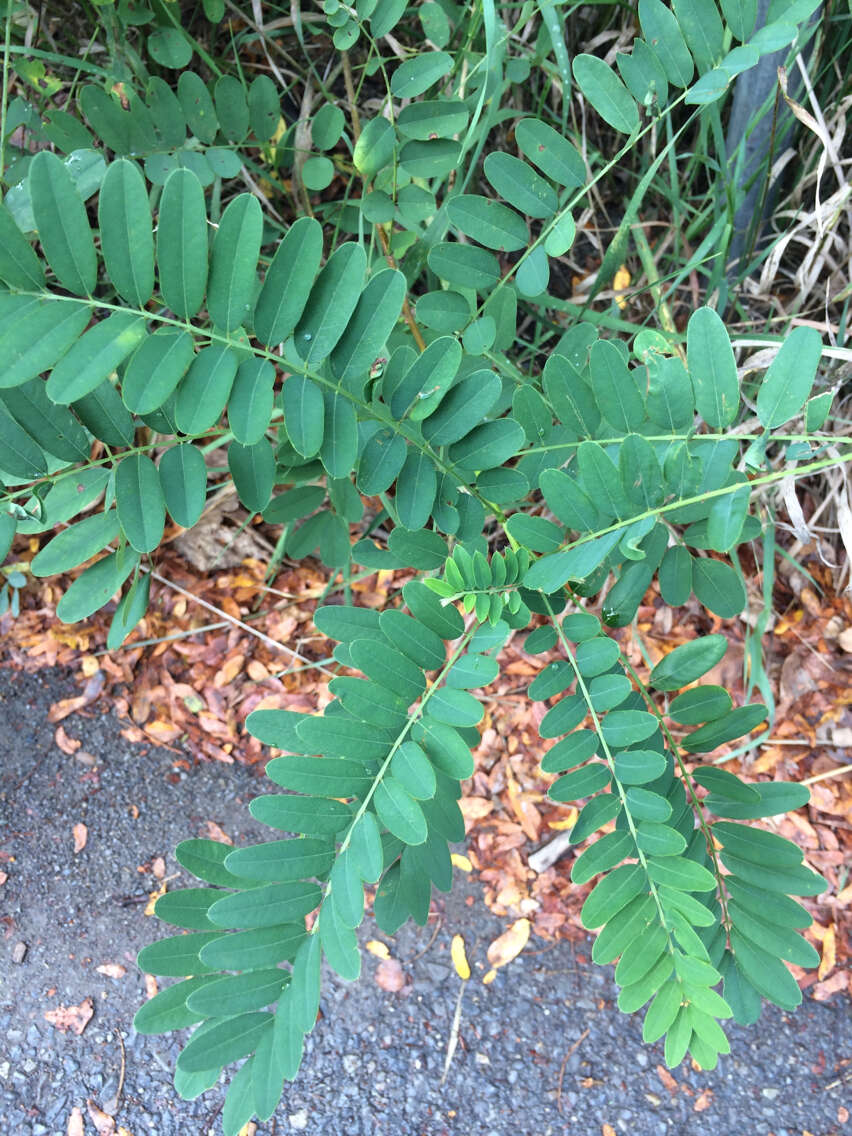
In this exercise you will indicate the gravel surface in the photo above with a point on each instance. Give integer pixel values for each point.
(542, 1050)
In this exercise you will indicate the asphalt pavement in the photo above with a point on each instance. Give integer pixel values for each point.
(541, 1051)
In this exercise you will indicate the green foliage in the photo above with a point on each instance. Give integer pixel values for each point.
(373, 348)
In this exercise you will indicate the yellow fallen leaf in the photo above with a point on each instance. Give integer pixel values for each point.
(620, 281)
(461, 862)
(459, 957)
(510, 944)
(607, 1130)
(379, 949)
(568, 821)
(489, 977)
(829, 953)
(153, 897)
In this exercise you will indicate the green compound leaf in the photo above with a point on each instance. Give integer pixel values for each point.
(183, 479)
(399, 812)
(489, 222)
(225, 1042)
(417, 75)
(76, 544)
(127, 241)
(712, 367)
(168, 1010)
(96, 586)
(790, 377)
(288, 282)
(718, 587)
(251, 401)
(205, 389)
(19, 265)
(233, 266)
(550, 152)
(236, 993)
(660, 29)
(606, 92)
(520, 186)
(688, 662)
(182, 244)
(330, 305)
(613, 893)
(139, 501)
(34, 334)
(155, 368)
(94, 357)
(62, 224)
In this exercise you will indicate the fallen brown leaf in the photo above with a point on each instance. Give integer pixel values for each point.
(81, 835)
(829, 953)
(75, 1123)
(74, 1018)
(390, 976)
(112, 969)
(607, 1130)
(668, 1080)
(103, 1122)
(64, 742)
(704, 1101)
(510, 944)
(824, 990)
(214, 832)
(151, 988)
